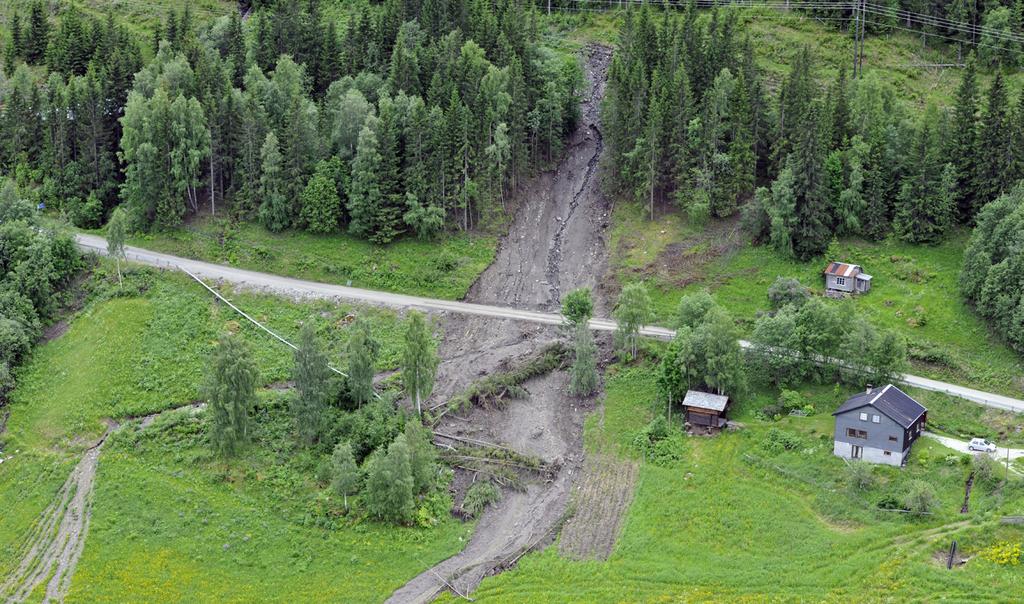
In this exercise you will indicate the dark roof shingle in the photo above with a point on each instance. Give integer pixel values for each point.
(890, 400)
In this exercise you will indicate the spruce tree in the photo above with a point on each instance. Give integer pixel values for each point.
(274, 205)
(366, 196)
(924, 207)
(312, 378)
(419, 362)
(230, 393)
(993, 149)
(961, 140)
(361, 353)
(810, 233)
(321, 206)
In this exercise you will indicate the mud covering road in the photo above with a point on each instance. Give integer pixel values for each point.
(556, 244)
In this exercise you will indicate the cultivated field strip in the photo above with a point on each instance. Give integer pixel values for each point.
(600, 500)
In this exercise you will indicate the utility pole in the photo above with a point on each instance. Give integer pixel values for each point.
(856, 36)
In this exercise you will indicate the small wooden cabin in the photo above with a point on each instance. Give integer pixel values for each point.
(842, 278)
(705, 410)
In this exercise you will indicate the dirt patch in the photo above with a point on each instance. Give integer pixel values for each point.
(600, 499)
(555, 244)
(685, 262)
(54, 331)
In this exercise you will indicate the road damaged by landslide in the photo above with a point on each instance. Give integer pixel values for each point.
(556, 243)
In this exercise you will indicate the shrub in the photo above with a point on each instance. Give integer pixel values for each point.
(668, 451)
(479, 496)
(1002, 553)
(984, 468)
(433, 508)
(86, 214)
(776, 441)
(790, 400)
(860, 476)
(787, 291)
(920, 498)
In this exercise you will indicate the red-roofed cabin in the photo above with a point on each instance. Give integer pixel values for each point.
(842, 278)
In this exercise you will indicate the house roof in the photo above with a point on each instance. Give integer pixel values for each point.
(890, 400)
(705, 400)
(841, 269)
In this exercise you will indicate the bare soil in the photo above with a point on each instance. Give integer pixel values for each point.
(600, 499)
(556, 243)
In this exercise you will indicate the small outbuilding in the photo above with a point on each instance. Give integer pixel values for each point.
(705, 410)
(842, 278)
(879, 425)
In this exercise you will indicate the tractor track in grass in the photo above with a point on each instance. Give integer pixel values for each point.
(55, 543)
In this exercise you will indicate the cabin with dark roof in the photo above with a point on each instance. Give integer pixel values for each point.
(879, 425)
(842, 278)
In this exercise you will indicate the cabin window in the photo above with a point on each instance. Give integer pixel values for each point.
(875, 419)
(892, 439)
(840, 280)
(855, 433)
(863, 417)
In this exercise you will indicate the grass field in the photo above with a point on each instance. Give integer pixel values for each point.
(167, 526)
(736, 522)
(914, 290)
(129, 356)
(441, 269)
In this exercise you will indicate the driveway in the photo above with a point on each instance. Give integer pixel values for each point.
(961, 446)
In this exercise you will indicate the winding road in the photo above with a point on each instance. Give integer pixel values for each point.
(312, 289)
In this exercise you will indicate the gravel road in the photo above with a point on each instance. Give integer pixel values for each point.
(311, 289)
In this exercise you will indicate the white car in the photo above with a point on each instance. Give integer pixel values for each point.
(980, 444)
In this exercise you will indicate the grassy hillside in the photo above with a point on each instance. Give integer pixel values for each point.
(145, 352)
(914, 290)
(896, 57)
(167, 526)
(741, 521)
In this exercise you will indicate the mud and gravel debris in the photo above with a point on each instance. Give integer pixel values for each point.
(557, 242)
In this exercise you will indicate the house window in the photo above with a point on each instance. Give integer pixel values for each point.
(892, 439)
(840, 280)
(887, 454)
(854, 433)
(875, 419)
(863, 417)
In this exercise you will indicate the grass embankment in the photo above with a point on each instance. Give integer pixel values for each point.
(741, 522)
(439, 269)
(163, 511)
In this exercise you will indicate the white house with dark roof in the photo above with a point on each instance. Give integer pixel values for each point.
(879, 426)
(842, 278)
